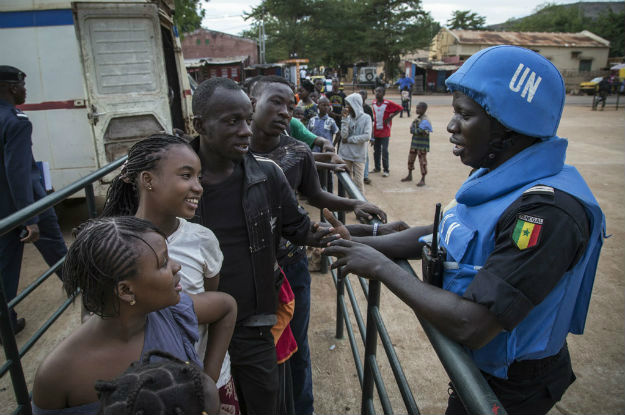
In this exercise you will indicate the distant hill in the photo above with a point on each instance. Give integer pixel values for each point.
(590, 10)
(603, 18)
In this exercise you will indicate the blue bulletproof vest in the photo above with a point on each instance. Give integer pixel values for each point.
(467, 232)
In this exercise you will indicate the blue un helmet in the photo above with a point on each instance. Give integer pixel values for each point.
(518, 87)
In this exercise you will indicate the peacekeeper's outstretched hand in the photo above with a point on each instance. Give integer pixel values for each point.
(356, 258)
(321, 234)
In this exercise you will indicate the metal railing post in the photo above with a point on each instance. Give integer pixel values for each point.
(340, 296)
(323, 180)
(341, 193)
(12, 354)
(371, 345)
(90, 197)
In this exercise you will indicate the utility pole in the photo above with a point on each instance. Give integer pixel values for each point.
(261, 41)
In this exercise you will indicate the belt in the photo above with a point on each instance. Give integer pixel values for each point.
(259, 320)
(532, 368)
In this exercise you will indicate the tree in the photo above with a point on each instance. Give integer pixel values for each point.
(551, 17)
(466, 20)
(392, 28)
(188, 15)
(609, 25)
(340, 32)
(570, 18)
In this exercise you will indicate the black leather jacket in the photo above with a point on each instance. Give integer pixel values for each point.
(271, 211)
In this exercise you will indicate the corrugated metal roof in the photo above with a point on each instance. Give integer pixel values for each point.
(197, 62)
(481, 37)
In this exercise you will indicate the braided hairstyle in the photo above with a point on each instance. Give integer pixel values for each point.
(163, 387)
(105, 252)
(122, 197)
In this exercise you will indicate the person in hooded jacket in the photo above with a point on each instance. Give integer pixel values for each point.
(355, 134)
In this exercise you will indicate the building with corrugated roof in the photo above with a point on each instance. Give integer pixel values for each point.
(569, 52)
(204, 43)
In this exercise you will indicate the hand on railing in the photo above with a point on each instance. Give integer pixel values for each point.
(366, 211)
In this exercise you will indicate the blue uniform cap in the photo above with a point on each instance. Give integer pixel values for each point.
(11, 74)
(520, 88)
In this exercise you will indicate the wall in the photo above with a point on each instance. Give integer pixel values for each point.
(207, 43)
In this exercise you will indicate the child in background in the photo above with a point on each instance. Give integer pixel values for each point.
(299, 113)
(169, 384)
(322, 124)
(405, 102)
(383, 112)
(306, 103)
(160, 183)
(367, 110)
(420, 144)
(355, 136)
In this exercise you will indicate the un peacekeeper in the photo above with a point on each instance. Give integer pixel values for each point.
(521, 240)
(20, 186)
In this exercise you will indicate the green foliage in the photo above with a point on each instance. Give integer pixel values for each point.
(341, 32)
(550, 17)
(610, 26)
(466, 20)
(188, 15)
(570, 18)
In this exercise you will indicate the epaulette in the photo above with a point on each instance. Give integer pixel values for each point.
(540, 189)
(19, 114)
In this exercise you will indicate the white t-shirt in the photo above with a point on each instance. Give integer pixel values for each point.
(196, 249)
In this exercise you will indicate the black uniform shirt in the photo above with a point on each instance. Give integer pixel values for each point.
(514, 280)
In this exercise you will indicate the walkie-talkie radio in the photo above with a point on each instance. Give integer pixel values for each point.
(432, 258)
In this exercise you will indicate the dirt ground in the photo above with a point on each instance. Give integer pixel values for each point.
(596, 148)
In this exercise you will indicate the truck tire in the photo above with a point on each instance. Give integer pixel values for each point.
(369, 76)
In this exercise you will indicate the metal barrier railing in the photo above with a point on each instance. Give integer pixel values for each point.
(13, 363)
(473, 390)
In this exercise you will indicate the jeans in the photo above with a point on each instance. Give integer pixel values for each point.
(366, 174)
(298, 276)
(381, 148)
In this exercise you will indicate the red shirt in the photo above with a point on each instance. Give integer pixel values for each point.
(381, 112)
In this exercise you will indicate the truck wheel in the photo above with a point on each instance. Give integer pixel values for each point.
(369, 76)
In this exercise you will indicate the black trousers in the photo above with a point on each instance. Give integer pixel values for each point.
(51, 245)
(533, 386)
(254, 369)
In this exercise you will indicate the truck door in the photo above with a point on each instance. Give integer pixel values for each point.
(124, 71)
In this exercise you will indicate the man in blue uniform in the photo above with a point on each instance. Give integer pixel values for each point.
(521, 239)
(20, 186)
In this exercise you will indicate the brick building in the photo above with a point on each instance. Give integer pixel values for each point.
(203, 43)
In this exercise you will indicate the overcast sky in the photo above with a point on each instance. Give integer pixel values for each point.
(226, 15)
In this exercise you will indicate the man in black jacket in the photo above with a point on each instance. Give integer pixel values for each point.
(249, 205)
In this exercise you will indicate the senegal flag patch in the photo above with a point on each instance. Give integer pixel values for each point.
(527, 231)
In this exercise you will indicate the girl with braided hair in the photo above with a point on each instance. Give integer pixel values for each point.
(168, 386)
(127, 280)
(161, 183)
